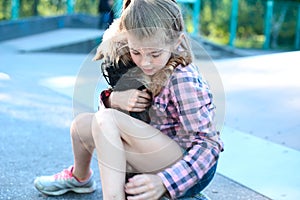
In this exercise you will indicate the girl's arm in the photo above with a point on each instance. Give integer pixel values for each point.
(196, 114)
(131, 100)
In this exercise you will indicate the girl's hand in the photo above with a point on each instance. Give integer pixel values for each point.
(145, 186)
(130, 100)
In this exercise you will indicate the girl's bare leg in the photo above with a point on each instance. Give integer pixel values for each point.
(111, 155)
(83, 145)
(120, 138)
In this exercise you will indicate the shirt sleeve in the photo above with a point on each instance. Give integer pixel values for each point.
(193, 100)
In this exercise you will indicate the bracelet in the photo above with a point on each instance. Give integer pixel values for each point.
(104, 96)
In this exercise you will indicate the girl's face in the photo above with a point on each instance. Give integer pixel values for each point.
(150, 54)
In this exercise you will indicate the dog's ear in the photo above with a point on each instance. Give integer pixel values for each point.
(112, 39)
(126, 4)
(99, 55)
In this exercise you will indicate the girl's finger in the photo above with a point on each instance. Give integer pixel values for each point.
(140, 106)
(137, 180)
(143, 99)
(144, 95)
(147, 195)
(137, 190)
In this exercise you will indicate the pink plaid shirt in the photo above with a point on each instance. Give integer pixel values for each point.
(185, 112)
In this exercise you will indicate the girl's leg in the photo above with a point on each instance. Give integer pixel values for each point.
(120, 138)
(111, 155)
(83, 145)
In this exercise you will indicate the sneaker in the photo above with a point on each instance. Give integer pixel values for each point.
(63, 182)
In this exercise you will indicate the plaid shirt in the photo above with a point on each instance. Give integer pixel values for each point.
(185, 112)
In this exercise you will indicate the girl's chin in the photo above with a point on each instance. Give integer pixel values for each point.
(148, 72)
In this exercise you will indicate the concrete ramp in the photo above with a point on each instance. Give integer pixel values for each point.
(56, 39)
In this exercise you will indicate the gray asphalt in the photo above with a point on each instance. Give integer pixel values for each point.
(34, 128)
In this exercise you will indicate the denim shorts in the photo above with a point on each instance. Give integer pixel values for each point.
(196, 189)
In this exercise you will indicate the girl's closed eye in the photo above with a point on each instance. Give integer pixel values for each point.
(156, 55)
(135, 52)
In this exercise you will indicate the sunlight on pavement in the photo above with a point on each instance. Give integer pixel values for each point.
(4, 76)
(4, 97)
(294, 103)
(261, 165)
(274, 70)
(60, 82)
(83, 89)
(263, 100)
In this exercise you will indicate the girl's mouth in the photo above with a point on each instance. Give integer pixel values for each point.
(147, 71)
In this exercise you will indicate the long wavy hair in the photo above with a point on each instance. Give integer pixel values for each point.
(145, 18)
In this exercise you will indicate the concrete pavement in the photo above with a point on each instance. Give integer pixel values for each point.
(36, 112)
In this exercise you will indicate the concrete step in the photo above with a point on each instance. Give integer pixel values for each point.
(51, 40)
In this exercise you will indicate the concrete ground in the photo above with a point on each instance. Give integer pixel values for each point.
(36, 95)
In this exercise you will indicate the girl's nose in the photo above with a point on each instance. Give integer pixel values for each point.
(146, 60)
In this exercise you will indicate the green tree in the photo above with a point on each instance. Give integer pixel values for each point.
(88, 7)
(215, 19)
(5, 9)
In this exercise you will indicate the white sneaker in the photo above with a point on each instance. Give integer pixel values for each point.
(63, 182)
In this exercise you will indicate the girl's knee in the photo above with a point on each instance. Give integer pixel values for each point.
(81, 124)
(74, 128)
(103, 122)
(103, 117)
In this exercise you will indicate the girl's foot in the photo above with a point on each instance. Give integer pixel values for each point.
(63, 182)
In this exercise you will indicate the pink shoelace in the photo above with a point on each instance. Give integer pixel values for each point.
(65, 174)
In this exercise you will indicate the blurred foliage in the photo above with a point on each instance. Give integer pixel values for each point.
(30, 8)
(5, 6)
(88, 7)
(214, 18)
(215, 21)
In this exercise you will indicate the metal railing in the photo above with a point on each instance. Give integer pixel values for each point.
(278, 19)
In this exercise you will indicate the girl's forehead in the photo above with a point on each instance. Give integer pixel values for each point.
(147, 42)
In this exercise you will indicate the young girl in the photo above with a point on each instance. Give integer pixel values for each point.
(176, 153)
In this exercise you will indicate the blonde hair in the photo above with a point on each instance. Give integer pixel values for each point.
(145, 18)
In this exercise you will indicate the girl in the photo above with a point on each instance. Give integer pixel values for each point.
(176, 153)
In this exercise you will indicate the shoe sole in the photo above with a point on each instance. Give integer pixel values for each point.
(79, 190)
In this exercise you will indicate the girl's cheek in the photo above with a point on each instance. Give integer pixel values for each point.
(135, 59)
